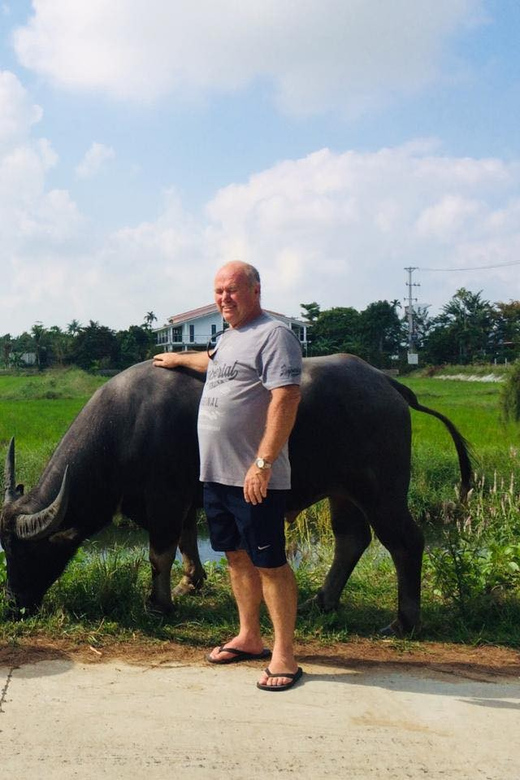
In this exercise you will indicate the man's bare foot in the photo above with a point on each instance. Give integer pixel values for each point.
(280, 681)
(273, 676)
(233, 652)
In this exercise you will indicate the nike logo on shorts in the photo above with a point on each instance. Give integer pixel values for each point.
(264, 547)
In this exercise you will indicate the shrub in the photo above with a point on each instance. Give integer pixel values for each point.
(510, 395)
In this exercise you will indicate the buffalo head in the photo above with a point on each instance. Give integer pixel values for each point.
(36, 549)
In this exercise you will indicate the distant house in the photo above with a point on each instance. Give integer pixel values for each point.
(26, 359)
(193, 329)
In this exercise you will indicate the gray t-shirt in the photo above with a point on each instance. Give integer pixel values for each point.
(249, 361)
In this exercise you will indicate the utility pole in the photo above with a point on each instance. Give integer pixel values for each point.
(413, 357)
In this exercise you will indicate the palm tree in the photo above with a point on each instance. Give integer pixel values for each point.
(149, 319)
(58, 343)
(73, 328)
(39, 337)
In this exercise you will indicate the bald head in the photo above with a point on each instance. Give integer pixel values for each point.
(239, 267)
(237, 293)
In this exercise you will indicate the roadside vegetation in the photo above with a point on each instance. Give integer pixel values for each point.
(471, 590)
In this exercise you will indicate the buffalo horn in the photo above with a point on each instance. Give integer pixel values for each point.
(44, 523)
(9, 475)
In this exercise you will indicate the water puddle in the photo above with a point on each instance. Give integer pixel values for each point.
(135, 540)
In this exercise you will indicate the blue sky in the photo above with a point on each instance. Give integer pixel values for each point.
(332, 143)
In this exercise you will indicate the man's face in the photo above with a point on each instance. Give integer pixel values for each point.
(236, 299)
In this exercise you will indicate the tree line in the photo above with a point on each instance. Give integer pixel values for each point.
(468, 330)
(93, 347)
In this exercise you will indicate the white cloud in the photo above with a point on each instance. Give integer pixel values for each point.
(338, 228)
(39, 226)
(24, 162)
(448, 217)
(318, 54)
(335, 228)
(54, 218)
(27, 208)
(347, 225)
(17, 112)
(95, 157)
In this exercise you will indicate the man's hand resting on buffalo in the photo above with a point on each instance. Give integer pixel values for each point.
(198, 361)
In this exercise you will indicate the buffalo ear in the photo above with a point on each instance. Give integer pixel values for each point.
(65, 537)
(19, 490)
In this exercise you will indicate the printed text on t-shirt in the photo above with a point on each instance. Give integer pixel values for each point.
(219, 374)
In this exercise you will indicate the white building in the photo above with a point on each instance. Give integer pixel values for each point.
(193, 329)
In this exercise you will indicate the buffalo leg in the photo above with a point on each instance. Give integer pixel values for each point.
(351, 538)
(405, 543)
(193, 571)
(164, 534)
(160, 599)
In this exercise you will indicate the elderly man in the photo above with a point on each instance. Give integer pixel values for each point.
(247, 411)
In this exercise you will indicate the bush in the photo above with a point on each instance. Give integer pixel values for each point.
(510, 395)
(477, 551)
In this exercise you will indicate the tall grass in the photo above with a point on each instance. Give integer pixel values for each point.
(476, 552)
(510, 396)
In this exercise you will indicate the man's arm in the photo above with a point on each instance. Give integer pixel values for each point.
(281, 415)
(198, 361)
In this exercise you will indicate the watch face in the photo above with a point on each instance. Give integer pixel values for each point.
(260, 463)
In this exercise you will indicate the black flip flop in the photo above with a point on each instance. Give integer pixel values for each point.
(293, 678)
(239, 655)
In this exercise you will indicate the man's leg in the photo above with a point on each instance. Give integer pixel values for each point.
(281, 597)
(247, 590)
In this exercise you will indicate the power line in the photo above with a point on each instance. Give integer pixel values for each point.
(412, 352)
(410, 312)
(476, 268)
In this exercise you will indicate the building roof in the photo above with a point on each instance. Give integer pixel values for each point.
(211, 308)
(193, 314)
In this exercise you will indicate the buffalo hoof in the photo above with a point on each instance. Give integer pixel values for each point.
(183, 589)
(317, 602)
(188, 587)
(159, 610)
(14, 614)
(396, 630)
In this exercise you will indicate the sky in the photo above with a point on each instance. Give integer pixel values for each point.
(330, 143)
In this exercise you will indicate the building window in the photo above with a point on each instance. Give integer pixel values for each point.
(299, 332)
(192, 334)
(176, 335)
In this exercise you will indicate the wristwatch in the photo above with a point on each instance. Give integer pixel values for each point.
(262, 464)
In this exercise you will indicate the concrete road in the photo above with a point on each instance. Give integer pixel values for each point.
(63, 720)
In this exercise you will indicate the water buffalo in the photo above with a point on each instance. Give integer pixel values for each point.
(133, 447)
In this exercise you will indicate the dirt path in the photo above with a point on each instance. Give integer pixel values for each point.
(362, 710)
(486, 662)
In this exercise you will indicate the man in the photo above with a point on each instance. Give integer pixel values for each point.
(246, 414)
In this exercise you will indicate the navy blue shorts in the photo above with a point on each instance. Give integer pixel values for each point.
(236, 525)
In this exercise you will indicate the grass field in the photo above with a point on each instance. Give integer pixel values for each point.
(37, 410)
(471, 565)
(475, 409)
